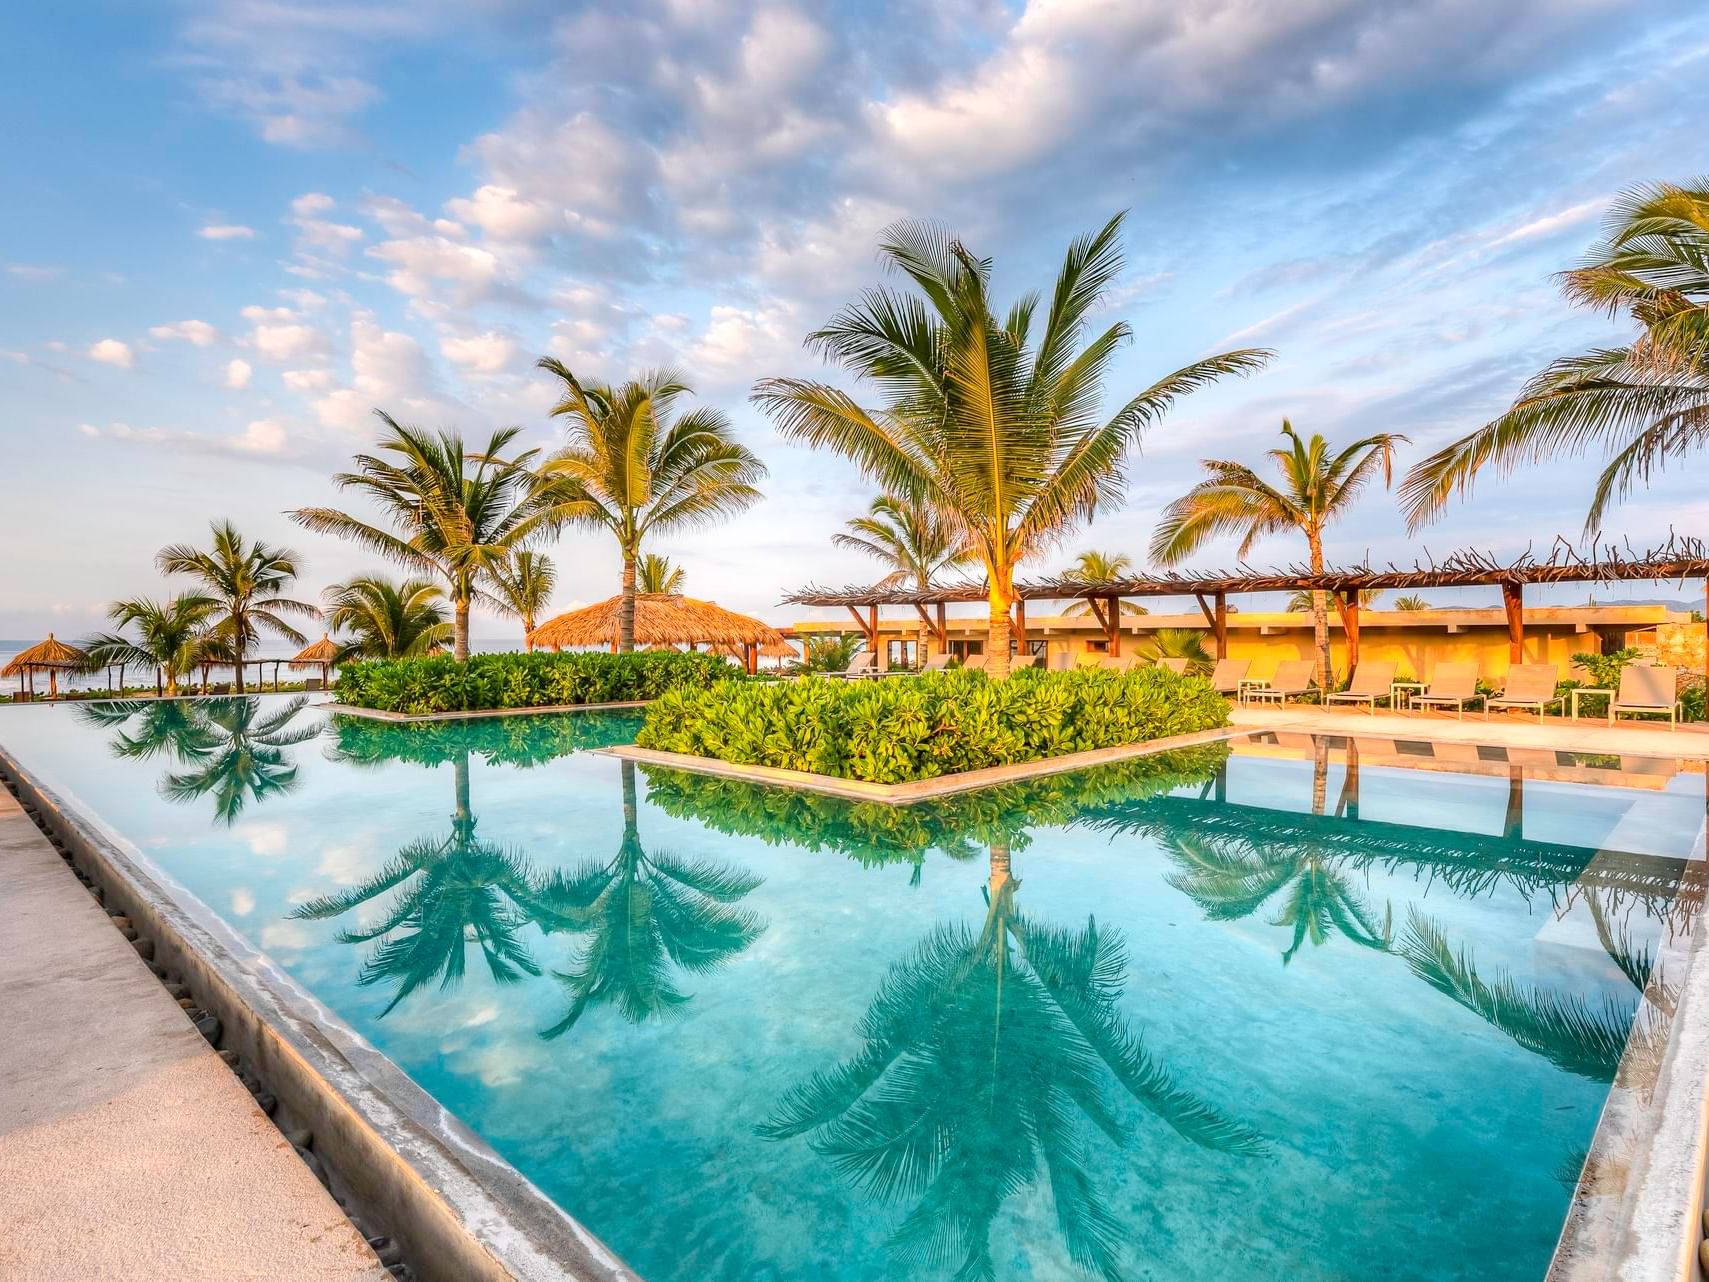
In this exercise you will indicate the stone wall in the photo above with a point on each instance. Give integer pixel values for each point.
(1680, 645)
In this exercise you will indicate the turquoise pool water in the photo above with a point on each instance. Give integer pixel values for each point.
(1284, 1009)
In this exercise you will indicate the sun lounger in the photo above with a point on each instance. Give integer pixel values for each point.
(1177, 666)
(1023, 661)
(975, 662)
(1371, 681)
(1292, 679)
(1647, 692)
(1454, 685)
(311, 684)
(1228, 674)
(1529, 685)
(937, 663)
(862, 665)
(1119, 662)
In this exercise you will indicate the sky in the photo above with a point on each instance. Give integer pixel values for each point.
(232, 229)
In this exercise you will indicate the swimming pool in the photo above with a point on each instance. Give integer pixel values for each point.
(1301, 1008)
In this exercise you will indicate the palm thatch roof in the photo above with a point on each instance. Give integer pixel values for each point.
(47, 654)
(780, 649)
(317, 655)
(660, 619)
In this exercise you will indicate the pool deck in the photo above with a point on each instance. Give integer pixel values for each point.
(127, 1148)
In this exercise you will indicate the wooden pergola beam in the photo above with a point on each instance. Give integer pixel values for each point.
(1513, 605)
(1347, 605)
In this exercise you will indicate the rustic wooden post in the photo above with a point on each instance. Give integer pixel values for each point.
(1350, 626)
(1221, 625)
(1513, 603)
(1113, 627)
(943, 630)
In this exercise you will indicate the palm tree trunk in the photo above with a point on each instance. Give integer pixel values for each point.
(1000, 867)
(1320, 616)
(997, 632)
(626, 624)
(527, 631)
(237, 662)
(460, 630)
(1319, 775)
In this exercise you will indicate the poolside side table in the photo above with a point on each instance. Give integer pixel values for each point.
(1264, 694)
(1573, 699)
(1411, 688)
(1248, 686)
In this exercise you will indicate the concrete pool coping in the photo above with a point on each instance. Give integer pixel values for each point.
(460, 1212)
(903, 794)
(416, 718)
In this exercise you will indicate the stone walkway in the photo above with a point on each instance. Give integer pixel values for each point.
(127, 1148)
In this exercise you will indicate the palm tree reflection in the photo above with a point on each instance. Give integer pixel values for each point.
(234, 752)
(988, 1057)
(642, 915)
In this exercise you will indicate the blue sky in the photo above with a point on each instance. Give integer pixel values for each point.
(234, 227)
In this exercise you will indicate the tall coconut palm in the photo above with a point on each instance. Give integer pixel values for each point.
(1316, 486)
(238, 754)
(1101, 567)
(524, 587)
(1645, 403)
(169, 636)
(386, 619)
(992, 421)
(990, 1056)
(456, 514)
(910, 539)
(249, 582)
(656, 576)
(634, 467)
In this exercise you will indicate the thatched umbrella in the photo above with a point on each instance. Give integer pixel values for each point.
(51, 656)
(661, 618)
(322, 654)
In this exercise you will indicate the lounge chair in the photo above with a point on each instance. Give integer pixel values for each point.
(1454, 685)
(1371, 681)
(937, 663)
(1647, 691)
(1119, 662)
(862, 665)
(1177, 666)
(1023, 661)
(1228, 674)
(976, 662)
(311, 684)
(1292, 679)
(1529, 685)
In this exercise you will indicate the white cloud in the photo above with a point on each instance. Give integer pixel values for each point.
(279, 334)
(110, 351)
(198, 333)
(34, 271)
(226, 231)
(480, 353)
(503, 214)
(261, 438)
(309, 380)
(1549, 224)
(237, 374)
(316, 233)
(389, 371)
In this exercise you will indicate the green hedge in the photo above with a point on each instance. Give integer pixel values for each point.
(900, 729)
(541, 680)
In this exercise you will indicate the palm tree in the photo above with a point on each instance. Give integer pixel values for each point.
(388, 619)
(1316, 488)
(1300, 602)
(831, 653)
(656, 576)
(455, 514)
(992, 424)
(524, 587)
(1410, 603)
(644, 914)
(910, 539)
(635, 468)
(1645, 403)
(989, 1057)
(249, 581)
(170, 636)
(1093, 567)
(237, 754)
(1180, 643)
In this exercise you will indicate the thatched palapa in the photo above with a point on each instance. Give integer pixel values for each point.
(50, 656)
(318, 655)
(660, 619)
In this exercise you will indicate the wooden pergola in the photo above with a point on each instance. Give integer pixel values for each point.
(1680, 560)
(661, 619)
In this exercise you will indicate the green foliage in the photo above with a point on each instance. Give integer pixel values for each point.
(523, 742)
(902, 729)
(1604, 669)
(831, 653)
(441, 684)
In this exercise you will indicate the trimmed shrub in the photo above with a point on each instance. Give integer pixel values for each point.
(540, 680)
(905, 728)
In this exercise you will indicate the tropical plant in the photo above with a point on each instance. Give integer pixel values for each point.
(656, 576)
(1316, 487)
(169, 636)
(1411, 603)
(911, 540)
(388, 619)
(523, 585)
(935, 724)
(1300, 602)
(485, 681)
(990, 1058)
(634, 467)
(1179, 643)
(248, 582)
(830, 653)
(1646, 403)
(455, 514)
(1092, 567)
(643, 915)
(992, 424)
